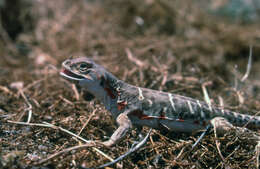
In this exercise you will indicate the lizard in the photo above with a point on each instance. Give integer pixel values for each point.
(136, 106)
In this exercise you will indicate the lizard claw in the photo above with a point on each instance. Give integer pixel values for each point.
(108, 143)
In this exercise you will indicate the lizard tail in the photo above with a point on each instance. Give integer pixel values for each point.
(249, 121)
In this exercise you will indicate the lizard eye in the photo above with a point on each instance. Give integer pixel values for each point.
(83, 67)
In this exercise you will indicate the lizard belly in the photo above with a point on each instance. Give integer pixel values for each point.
(181, 126)
(153, 123)
(172, 125)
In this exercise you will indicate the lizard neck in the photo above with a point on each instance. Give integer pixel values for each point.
(109, 92)
(106, 88)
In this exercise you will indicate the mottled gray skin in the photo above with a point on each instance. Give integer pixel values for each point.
(131, 105)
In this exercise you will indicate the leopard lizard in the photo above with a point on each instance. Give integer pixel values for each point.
(136, 106)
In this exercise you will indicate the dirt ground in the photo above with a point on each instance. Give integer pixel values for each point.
(176, 48)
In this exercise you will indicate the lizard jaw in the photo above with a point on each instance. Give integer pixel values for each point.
(67, 74)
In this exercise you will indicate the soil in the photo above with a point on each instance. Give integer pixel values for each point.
(175, 47)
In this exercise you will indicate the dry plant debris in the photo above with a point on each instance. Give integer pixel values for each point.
(164, 45)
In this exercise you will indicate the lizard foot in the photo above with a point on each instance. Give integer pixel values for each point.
(132, 149)
(108, 143)
(221, 125)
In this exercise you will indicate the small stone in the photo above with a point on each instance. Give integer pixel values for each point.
(17, 85)
(2, 111)
(34, 157)
(26, 129)
(48, 118)
(42, 148)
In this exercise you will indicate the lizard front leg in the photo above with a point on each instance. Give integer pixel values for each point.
(124, 125)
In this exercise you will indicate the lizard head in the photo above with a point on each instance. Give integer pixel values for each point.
(78, 69)
(87, 74)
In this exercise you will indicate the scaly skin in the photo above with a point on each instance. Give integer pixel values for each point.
(135, 106)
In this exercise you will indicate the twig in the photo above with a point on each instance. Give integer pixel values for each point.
(86, 141)
(66, 100)
(179, 154)
(236, 75)
(19, 87)
(92, 114)
(162, 69)
(232, 153)
(67, 131)
(201, 136)
(29, 109)
(206, 96)
(30, 124)
(33, 84)
(91, 144)
(221, 102)
(218, 144)
(155, 149)
(7, 116)
(249, 64)
(240, 97)
(207, 99)
(164, 79)
(141, 75)
(156, 61)
(64, 130)
(133, 59)
(74, 88)
(257, 149)
(36, 103)
(6, 90)
(138, 146)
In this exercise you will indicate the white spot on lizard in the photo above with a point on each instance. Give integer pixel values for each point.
(201, 111)
(223, 111)
(190, 107)
(150, 102)
(209, 104)
(141, 97)
(172, 103)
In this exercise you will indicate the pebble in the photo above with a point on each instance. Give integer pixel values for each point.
(33, 157)
(47, 118)
(42, 148)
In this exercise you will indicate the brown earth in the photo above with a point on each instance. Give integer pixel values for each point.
(177, 48)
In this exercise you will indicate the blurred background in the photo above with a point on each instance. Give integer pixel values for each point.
(175, 46)
(211, 33)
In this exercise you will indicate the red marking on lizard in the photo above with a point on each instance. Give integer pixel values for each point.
(107, 88)
(110, 92)
(180, 120)
(162, 115)
(121, 105)
(196, 122)
(204, 123)
(140, 115)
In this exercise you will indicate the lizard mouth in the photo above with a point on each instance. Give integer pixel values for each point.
(67, 74)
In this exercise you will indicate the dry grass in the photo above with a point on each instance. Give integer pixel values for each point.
(179, 48)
